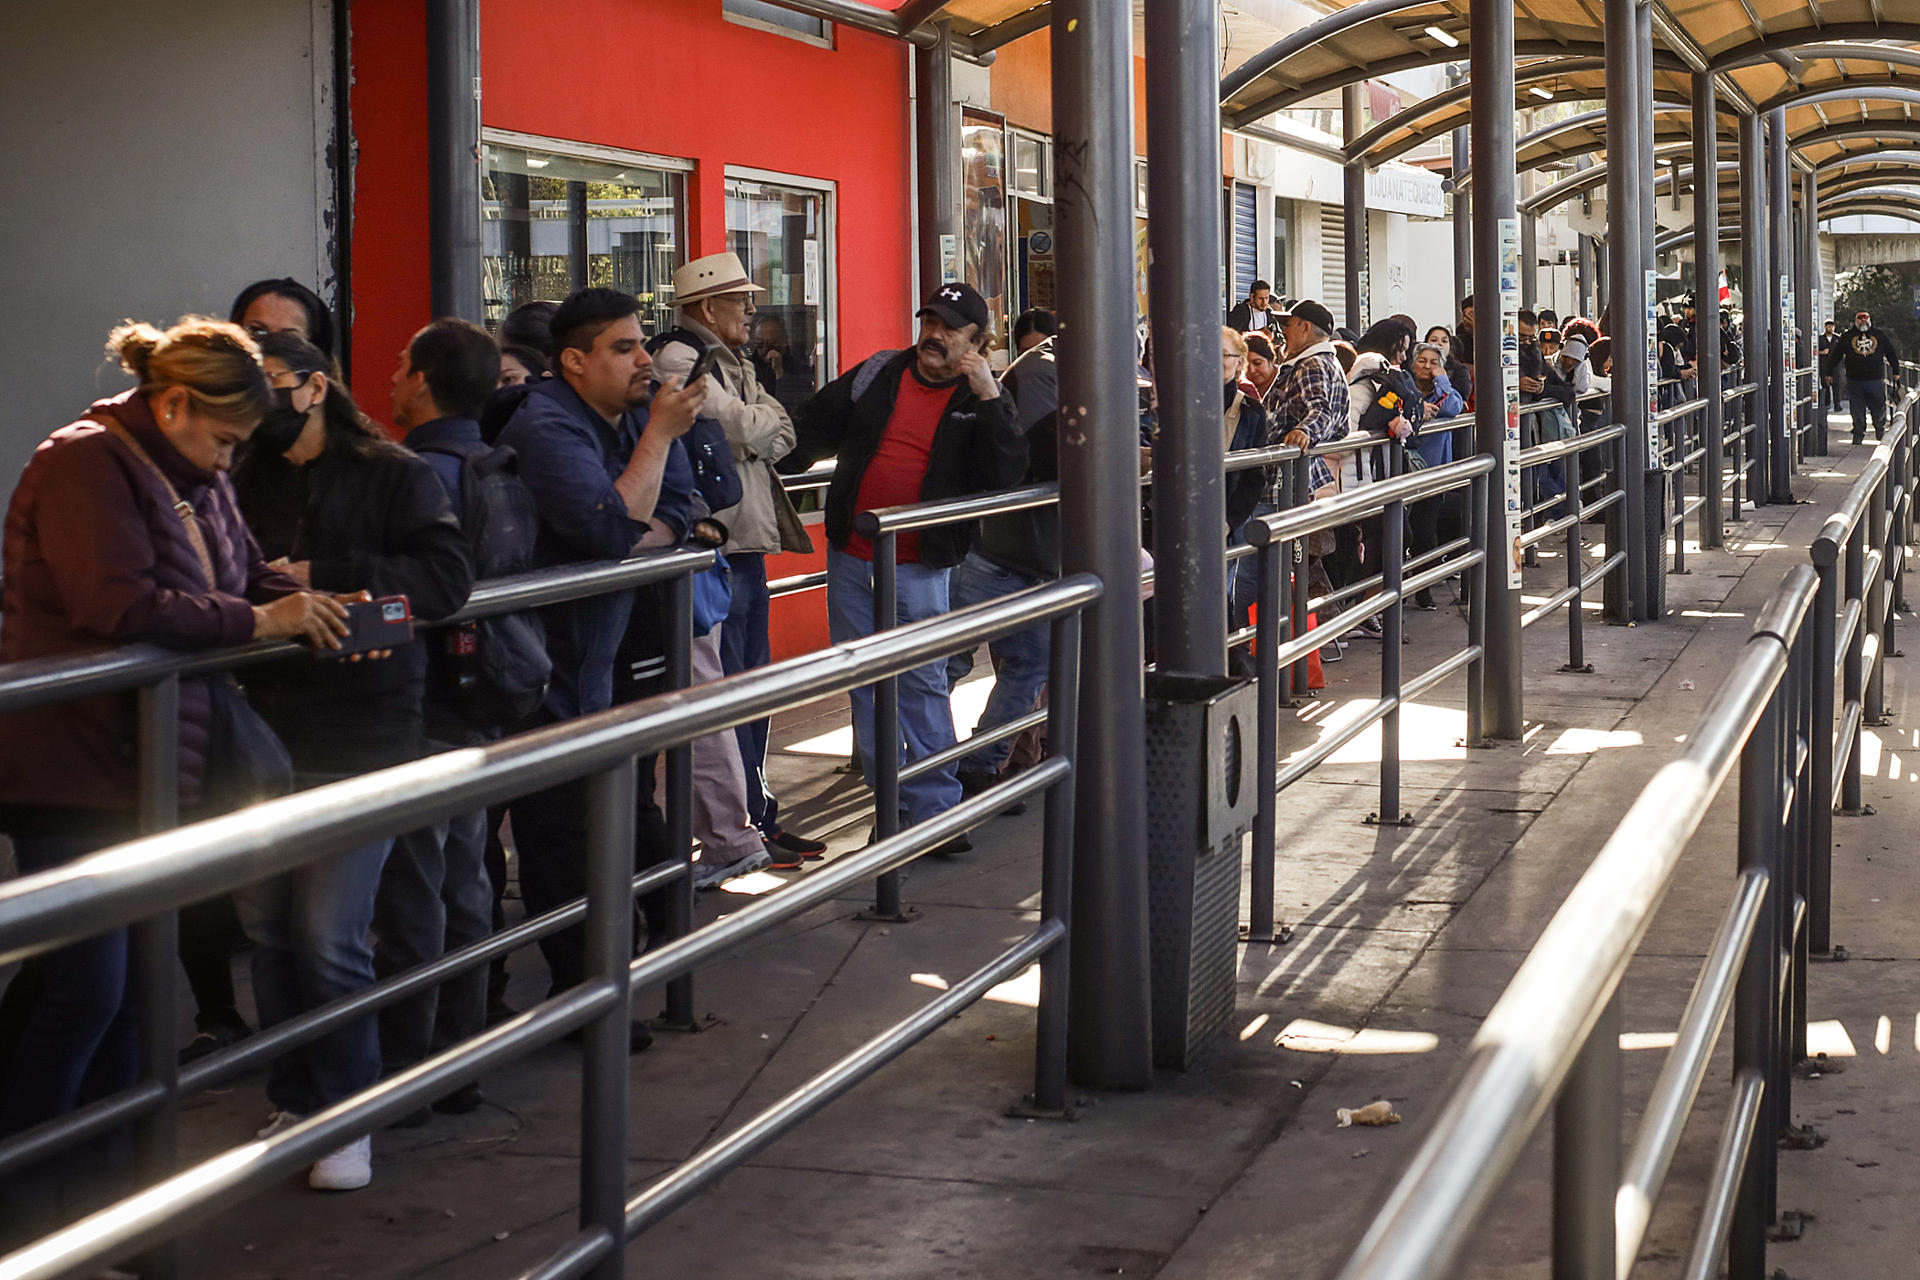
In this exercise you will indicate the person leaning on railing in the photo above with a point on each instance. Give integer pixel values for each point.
(100, 551)
(346, 510)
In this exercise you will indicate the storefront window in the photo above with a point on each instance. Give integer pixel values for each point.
(553, 223)
(782, 235)
(983, 186)
(1282, 247)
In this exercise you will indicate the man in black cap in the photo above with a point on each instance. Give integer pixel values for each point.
(1865, 353)
(1307, 403)
(910, 426)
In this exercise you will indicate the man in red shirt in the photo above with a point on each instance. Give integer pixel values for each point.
(910, 426)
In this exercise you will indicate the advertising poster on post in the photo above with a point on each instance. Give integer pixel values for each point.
(1652, 459)
(1510, 395)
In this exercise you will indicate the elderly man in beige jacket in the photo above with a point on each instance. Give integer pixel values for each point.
(715, 301)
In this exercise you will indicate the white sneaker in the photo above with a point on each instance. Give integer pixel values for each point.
(277, 1121)
(706, 876)
(348, 1169)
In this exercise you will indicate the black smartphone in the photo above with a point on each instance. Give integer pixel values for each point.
(702, 366)
(386, 623)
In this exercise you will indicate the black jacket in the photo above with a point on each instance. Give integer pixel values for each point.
(1028, 542)
(1866, 355)
(976, 448)
(375, 518)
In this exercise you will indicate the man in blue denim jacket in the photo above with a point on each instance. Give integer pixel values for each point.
(602, 455)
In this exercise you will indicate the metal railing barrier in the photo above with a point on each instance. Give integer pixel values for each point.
(148, 879)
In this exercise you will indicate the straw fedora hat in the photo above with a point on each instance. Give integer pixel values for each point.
(710, 277)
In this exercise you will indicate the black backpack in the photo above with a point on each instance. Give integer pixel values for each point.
(494, 672)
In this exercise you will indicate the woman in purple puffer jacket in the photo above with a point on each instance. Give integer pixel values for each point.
(98, 554)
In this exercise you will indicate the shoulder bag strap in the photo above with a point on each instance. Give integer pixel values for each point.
(181, 507)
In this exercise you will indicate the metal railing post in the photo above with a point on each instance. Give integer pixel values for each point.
(1616, 603)
(1576, 571)
(1799, 694)
(1476, 585)
(1300, 570)
(1754, 996)
(1852, 673)
(604, 1071)
(155, 944)
(1679, 474)
(1394, 553)
(1820, 805)
(1878, 616)
(1586, 1155)
(1739, 456)
(1266, 644)
(679, 815)
(886, 727)
(1056, 868)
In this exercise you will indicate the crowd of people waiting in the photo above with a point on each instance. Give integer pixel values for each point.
(238, 493)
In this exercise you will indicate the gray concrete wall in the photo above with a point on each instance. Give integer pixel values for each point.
(155, 159)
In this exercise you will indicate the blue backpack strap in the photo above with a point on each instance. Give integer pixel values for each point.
(869, 371)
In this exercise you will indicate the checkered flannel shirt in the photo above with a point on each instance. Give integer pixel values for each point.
(1310, 395)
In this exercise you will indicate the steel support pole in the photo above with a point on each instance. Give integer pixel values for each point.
(1628, 198)
(1779, 341)
(1755, 300)
(1706, 307)
(1654, 480)
(1586, 1155)
(1111, 1037)
(1588, 282)
(610, 798)
(1462, 210)
(1183, 233)
(1493, 133)
(936, 138)
(1353, 188)
(453, 159)
(1810, 276)
(155, 946)
(1755, 993)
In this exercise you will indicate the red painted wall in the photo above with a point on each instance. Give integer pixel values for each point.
(676, 78)
(672, 77)
(392, 296)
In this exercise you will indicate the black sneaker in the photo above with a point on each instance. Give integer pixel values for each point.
(783, 839)
(957, 845)
(465, 1099)
(974, 781)
(216, 1033)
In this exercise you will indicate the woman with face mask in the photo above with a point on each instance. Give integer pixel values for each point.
(103, 547)
(344, 510)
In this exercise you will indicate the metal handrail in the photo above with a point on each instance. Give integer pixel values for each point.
(37, 682)
(1559, 1013)
(158, 873)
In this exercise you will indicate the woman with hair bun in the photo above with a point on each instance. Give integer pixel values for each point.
(117, 524)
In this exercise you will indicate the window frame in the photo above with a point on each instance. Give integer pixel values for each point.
(822, 41)
(829, 191)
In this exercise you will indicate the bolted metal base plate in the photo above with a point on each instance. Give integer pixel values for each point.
(1864, 811)
(693, 1028)
(1838, 955)
(1584, 669)
(1816, 1066)
(1791, 1225)
(1802, 1138)
(1375, 820)
(1026, 1110)
(1281, 935)
(907, 916)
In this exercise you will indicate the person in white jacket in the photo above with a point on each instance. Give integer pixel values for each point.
(715, 301)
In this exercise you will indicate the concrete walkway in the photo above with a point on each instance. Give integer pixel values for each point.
(1402, 939)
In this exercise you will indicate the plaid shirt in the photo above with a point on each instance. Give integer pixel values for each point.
(1309, 394)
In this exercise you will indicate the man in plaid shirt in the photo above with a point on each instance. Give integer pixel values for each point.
(1307, 404)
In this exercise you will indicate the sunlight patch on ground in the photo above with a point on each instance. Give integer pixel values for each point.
(969, 700)
(1252, 1029)
(1709, 613)
(1830, 1038)
(1426, 733)
(1023, 989)
(1883, 1035)
(1631, 1040)
(753, 884)
(1303, 1035)
(1585, 742)
(1877, 757)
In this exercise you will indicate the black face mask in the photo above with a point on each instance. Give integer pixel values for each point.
(282, 426)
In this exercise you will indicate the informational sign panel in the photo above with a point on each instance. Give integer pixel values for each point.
(1653, 370)
(1510, 394)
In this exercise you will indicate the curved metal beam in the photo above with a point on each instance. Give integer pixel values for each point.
(1729, 234)
(1591, 177)
(1906, 91)
(1910, 210)
(1306, 37)
(1662, 106)
(1846, 160)
(1533, 71)
(1867, 182)
(1855, 129)
(1414, 62)
(1756, 51)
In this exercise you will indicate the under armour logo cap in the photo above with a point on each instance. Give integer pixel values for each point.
(958, 304)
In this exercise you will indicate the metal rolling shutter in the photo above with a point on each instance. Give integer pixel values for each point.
(1245, 251)
(1333, 261)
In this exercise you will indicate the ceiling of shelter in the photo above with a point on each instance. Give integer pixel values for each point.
(1847, 72)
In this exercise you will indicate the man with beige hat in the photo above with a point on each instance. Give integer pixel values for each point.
(715, 301)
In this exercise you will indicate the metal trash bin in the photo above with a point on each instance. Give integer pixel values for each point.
(1200, 805)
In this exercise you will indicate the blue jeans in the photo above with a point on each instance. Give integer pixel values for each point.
(434, 898)
(926, 717)
(1868, 396)
(744, 645)
(309, 930)
(1244, 590)
(1019, 660)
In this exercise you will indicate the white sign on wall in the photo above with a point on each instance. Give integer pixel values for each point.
(1402, 188)
(1509, 331)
